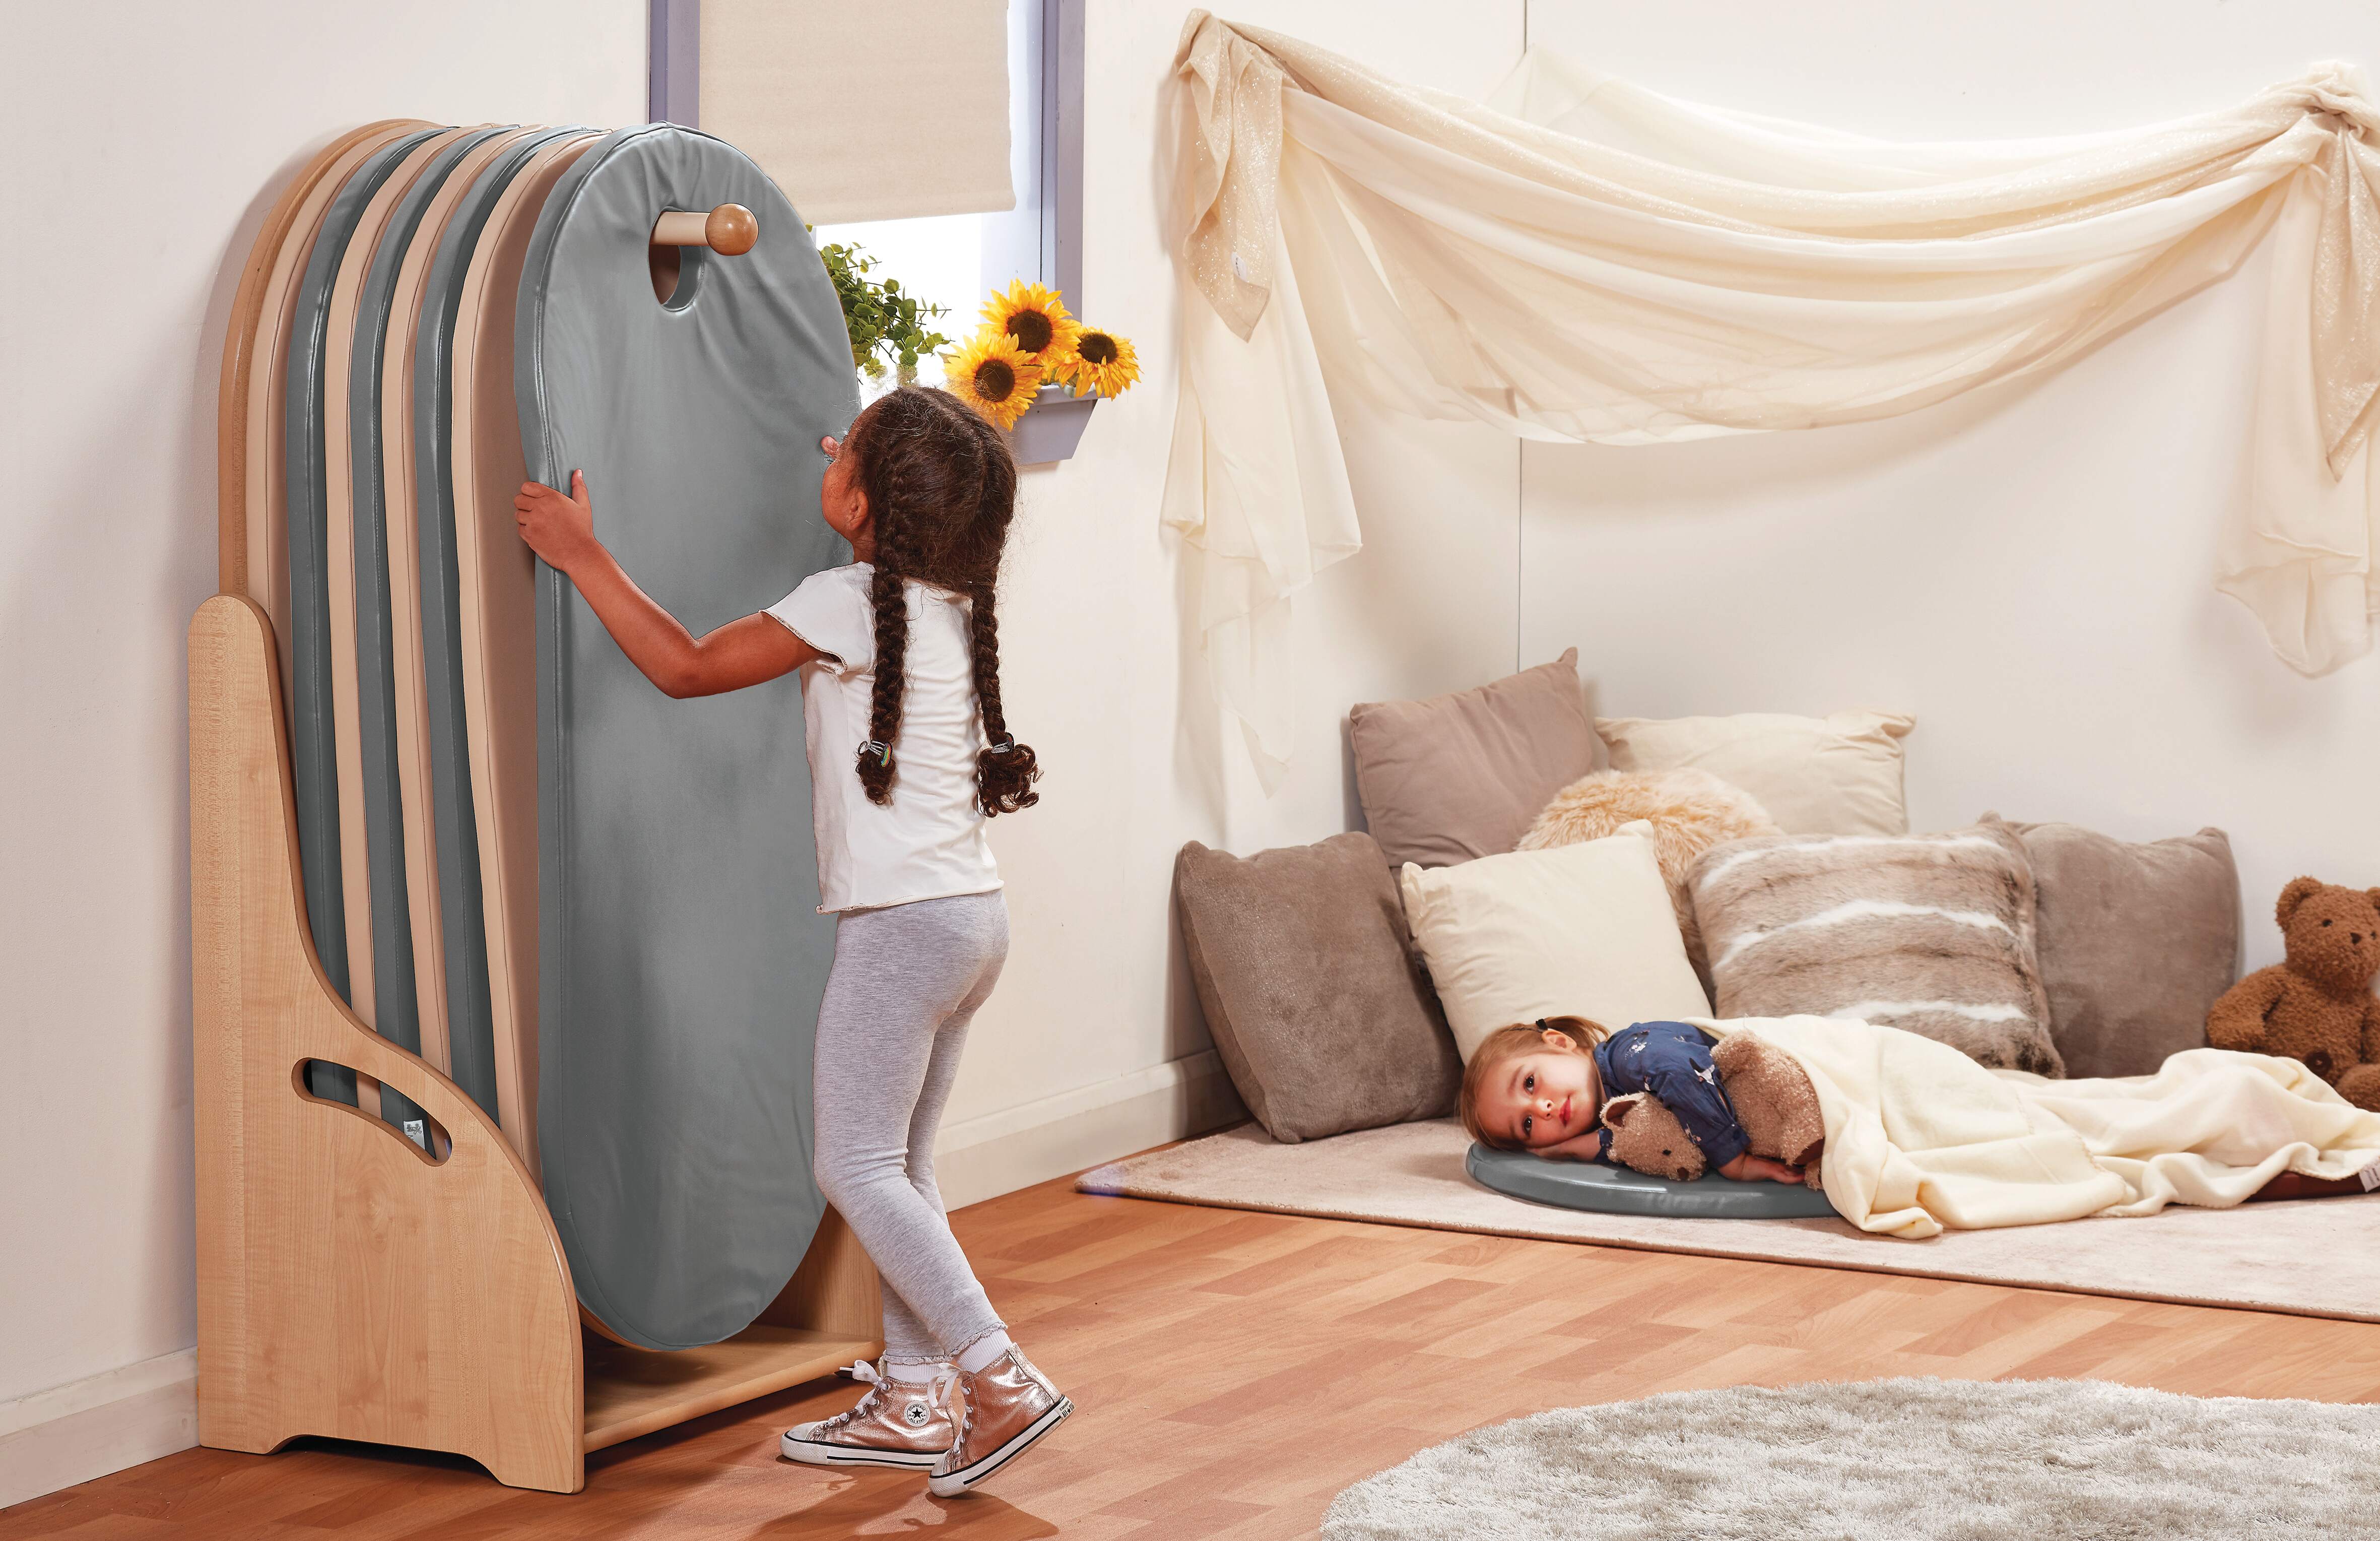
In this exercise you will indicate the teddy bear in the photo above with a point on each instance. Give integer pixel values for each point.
(2317, 1007)
(1773, 1101)
(1647, 1137)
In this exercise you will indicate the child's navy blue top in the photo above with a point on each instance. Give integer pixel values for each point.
(1673, 1061)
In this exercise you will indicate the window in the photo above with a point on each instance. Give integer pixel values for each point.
(954, 261)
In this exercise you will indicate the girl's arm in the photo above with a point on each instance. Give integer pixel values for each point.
(750, 651)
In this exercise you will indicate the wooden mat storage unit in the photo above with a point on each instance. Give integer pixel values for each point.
(354, 1283)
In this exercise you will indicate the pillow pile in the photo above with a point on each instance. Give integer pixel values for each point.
(1534, 885)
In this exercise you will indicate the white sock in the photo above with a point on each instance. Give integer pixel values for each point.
(916, 1374)
(984, 1350)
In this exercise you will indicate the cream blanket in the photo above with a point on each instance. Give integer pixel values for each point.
(1920, 1138)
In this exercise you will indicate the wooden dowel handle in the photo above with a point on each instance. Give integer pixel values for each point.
(730, 230)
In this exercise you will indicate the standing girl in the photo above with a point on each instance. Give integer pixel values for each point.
(909, 754)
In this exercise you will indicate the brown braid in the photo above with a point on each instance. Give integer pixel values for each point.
(941, 488)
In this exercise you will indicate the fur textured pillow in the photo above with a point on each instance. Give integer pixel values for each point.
(1929, 933)
(1689, 811)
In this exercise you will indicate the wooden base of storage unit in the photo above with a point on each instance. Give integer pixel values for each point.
(350, 1284)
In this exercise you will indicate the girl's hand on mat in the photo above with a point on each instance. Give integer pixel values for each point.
(1760, 1168)
(559, 528)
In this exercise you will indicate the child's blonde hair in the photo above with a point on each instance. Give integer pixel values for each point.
(1499, 1046)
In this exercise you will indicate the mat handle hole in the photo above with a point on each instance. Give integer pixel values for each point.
(678, 274)
(336, 1086)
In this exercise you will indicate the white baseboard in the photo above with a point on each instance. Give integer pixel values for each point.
(1016, 1147)
(122, 1417)
(101, 1423)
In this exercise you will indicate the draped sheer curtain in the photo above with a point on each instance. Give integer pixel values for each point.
(1583, 260)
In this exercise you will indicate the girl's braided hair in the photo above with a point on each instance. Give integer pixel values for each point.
(941, 487)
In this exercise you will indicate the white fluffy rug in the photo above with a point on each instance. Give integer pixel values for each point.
(1903, 1460)
(2308, 1256)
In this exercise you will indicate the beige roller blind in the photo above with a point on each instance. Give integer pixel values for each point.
(864, 109)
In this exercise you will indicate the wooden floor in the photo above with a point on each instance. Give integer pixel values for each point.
(1234, 1371)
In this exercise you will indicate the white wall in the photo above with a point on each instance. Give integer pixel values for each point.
(2028, 571)
(147, 142)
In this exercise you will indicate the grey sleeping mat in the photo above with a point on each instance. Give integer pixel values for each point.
(681, 954)
(397, 1006)
(470, 1030)
(313, 752)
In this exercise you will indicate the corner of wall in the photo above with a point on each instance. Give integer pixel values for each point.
(99, 1424)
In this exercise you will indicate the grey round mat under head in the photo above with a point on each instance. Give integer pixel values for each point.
(681, 953)
(313, 758)
(1906, 1460)
(470, 1027)
(1617, 1191)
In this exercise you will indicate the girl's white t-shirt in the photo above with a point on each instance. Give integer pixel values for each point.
(928, 842)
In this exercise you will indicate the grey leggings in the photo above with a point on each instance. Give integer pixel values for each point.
(905, 983)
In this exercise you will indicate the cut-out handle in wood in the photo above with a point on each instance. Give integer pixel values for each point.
(730, 230)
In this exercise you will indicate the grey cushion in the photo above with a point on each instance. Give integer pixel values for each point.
(2135, 941)
(681, 954)
(1307, 977)
(1457, 776)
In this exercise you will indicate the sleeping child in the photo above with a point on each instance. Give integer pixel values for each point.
(1541, 1086)
(1920, 1138)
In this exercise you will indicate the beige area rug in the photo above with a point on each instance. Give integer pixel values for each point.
(2309, 1257)
(1909, 1460)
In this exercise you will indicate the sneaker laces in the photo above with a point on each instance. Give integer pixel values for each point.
(865, 1374)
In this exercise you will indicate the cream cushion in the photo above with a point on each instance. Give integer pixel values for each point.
(1584, 930)
(1815, 775)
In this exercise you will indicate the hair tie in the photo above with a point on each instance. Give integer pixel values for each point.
(1007, 746)
(883, 752)
(1541, 1025)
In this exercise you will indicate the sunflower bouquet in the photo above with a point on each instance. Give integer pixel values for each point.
(1027, 341)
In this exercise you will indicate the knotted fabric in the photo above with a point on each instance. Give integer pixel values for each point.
(1583, 260)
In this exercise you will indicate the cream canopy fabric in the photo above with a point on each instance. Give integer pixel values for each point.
(1584, 259)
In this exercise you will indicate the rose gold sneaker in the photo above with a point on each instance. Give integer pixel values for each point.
(1003, 1408)
(899, 1423)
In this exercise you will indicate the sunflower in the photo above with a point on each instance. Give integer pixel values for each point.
(990, 375)
(1101, 363)
(1035, 321)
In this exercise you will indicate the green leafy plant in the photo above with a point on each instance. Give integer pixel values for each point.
(888, 329)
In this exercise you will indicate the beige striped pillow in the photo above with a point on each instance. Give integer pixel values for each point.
(1930, 933)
